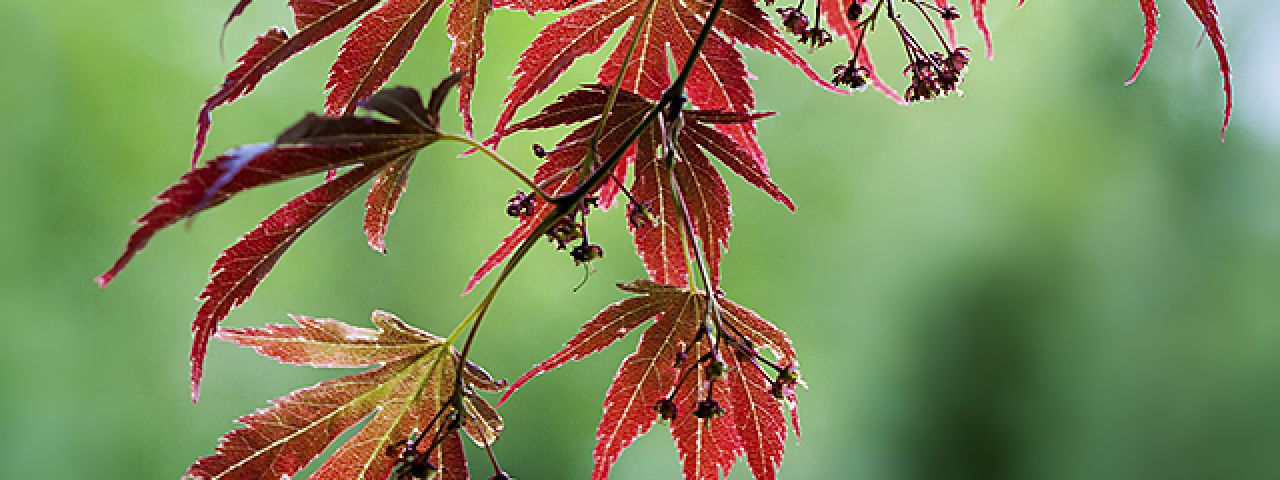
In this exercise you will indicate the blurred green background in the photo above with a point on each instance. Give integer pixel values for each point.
(1055, 277)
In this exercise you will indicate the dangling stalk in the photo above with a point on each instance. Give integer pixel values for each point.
(482, 148)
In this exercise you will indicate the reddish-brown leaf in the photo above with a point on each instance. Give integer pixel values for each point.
(660, 244)
(753, 424)
(322, 18)
(466, 29)
(414, 380)
(384, 195)
(315, 144)
(375, 48)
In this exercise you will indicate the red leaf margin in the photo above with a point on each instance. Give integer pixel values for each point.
(1206, 13)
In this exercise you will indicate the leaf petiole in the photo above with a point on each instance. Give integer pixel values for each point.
(489, 152)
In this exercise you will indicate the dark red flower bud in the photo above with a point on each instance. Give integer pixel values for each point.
(586, 253)
(538, 151)
(785, 383)
(794, 20)
(816, 37)
(666, 409)
(851, 74)
(521, 204)
(854, 11)
(708, 409)
(716, 369)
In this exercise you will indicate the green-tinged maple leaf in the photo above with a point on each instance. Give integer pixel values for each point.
(410, 395)
(700, 369)
(365, 146)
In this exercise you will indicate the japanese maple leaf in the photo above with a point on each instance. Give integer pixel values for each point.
(409, 393)
(661, 245)
(661, 30)
(1207, 13)
(673, 365)
(364, 146)
(374, 49)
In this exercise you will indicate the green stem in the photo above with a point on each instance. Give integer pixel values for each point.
(500, 161)
(593, 147)
(566, 203)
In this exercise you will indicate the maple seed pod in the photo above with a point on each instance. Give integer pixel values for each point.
(708, 409)
(854, 12)
(666, 408)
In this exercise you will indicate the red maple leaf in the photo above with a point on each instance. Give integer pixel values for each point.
(409, 394)
(1207, 14)
(660, 29)
(376, 46)
(367, 146)
(724, 403)
(661, 244)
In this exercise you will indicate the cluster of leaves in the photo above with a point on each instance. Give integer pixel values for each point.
(700, 364)
(368, 147)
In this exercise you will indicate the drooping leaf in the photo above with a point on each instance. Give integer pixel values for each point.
(672, 362)
(376, 46)
(660, 244)
(367, 146)
(1150, 27)
(413, 379)
(1206, 13)
(322, 17)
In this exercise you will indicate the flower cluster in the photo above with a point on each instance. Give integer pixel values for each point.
(795, 22)
(710, 367)
(933, 73)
